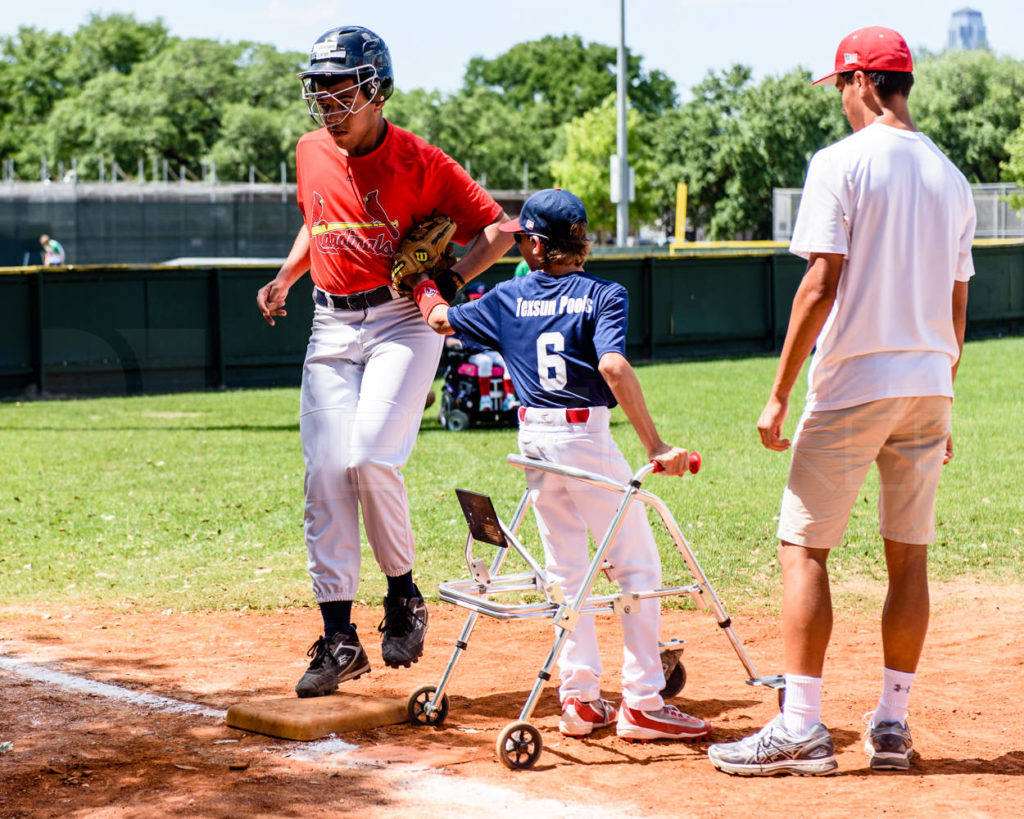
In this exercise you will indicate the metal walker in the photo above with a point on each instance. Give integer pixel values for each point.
(519, 745)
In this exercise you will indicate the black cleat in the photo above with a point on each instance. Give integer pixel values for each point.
(403, 628)
(334, 661)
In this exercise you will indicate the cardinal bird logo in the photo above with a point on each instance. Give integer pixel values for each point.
(373, 207)
(332, 237)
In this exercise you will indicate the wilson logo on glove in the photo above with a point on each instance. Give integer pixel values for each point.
(425, 249)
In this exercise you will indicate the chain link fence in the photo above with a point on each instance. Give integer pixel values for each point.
(146, 223)
(996, 218)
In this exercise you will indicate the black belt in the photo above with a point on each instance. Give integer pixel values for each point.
(353, 301)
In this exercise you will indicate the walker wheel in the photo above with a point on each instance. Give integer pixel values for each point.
(420, 700)
(675, 674)
(519, 746)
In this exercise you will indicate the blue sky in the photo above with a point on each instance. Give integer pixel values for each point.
(431, 40)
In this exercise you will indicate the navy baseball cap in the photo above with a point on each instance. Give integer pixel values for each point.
(549, 214)
(475, 290)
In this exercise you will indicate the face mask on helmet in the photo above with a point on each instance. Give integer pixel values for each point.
(349, 53)
(327, 108)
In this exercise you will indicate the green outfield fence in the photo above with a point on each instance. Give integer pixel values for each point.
(134, 329)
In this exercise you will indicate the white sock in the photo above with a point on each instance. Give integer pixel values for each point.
(892, 705)
(801, 710)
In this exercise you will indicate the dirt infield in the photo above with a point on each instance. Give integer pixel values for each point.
(82, 753)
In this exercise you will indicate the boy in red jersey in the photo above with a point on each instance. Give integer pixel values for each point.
(362, 184)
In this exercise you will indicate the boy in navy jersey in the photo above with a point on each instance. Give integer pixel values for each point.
(562, 333)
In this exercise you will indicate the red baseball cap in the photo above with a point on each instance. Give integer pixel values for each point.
(870, 49)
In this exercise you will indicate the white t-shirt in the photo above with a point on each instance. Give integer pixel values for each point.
(903, 216)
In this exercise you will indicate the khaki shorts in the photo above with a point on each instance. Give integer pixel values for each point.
(832, 452)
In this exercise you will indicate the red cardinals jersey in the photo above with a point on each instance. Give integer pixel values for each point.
(357, 208)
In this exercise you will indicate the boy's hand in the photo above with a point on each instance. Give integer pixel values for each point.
(672, 459)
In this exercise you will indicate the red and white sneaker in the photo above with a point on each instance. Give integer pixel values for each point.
(668, 723)
(580, 718)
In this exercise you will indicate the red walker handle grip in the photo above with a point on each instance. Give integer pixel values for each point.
(694, 463)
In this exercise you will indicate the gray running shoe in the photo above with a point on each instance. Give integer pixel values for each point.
(402, 630)
(773, 750)
(334, 661)
(888, 745)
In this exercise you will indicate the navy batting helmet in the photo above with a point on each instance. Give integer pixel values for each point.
(353, 51)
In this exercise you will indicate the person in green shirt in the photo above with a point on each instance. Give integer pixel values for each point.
(53, 251)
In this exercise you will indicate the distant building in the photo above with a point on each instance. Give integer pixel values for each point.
(967, 30)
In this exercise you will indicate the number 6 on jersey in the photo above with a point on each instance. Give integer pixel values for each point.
(551, 367)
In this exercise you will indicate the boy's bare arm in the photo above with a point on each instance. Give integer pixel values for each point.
(625, 386)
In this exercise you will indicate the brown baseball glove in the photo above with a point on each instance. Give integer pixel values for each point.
(425, 248)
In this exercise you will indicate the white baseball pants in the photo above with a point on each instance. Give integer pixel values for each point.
(565, 509)
(366, 376)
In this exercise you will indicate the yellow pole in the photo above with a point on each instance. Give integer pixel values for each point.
(680, 213)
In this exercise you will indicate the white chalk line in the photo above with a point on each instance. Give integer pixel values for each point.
(83, 685)
(415, 784)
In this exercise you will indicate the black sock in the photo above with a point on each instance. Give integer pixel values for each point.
(337, 616)
(402, 586)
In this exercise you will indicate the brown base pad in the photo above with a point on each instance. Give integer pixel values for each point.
(316, 717)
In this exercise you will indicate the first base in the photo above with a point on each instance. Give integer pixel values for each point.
(316, 717)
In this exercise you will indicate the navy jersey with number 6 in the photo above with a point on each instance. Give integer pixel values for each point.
(552, 332)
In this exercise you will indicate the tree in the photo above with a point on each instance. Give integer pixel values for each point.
(481, 131)
(586, 143)
(781, 123)
(508, 112)
(51, 69)
(735, 141)
(33, 75)
(422, 112)
(127, 90)
(258, 137)
(1013, 167)
(168, 107)
(260, 129)
(112, 117)
(971, 104)
(236, 103)
(268, 77)
(570, 77)
(117, 42)
(686, 143)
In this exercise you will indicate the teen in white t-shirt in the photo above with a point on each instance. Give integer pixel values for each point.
(903, 217)
(886, 224)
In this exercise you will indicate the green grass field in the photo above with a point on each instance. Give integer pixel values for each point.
(194, 501)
